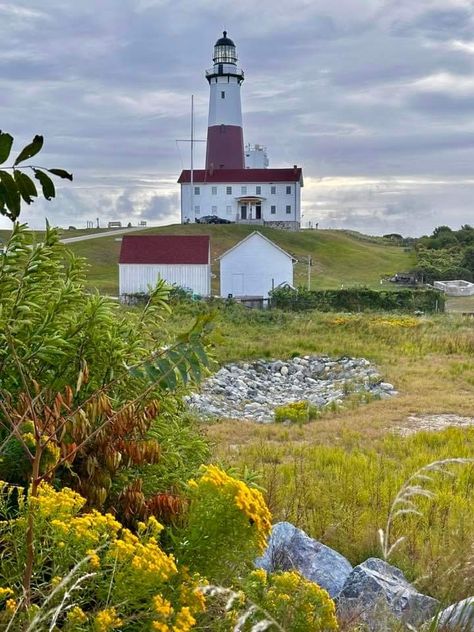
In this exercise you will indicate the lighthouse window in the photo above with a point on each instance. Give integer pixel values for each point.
(214, 190)
(258, 190)
(273, 210)
(243, 190)
(288, 190)
(197, 190)
(228, 190)
(273, 190)
(222, 94)
(288, 209)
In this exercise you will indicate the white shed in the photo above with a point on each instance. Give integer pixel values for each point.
(254, 267)
(181, 260)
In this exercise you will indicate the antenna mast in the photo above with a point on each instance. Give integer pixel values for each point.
(192, 156)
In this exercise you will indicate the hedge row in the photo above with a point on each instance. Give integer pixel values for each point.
(359, 300)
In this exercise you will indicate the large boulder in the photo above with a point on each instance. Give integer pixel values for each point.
(378, 594)
(459, 616)
(290, 548)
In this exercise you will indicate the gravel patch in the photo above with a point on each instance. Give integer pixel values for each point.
(417, 423)
(252, 390)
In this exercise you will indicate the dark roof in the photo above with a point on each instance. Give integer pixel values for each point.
(224, 41)
(165, 249)
(242, 175)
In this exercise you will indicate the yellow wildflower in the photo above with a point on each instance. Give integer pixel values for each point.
(184, 620)
(162, 606)
(5, 592)
(158, 626)
(76, 616)
(94, 559)
(106, 620)
(11, 605)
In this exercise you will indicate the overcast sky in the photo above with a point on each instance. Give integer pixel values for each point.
(373, 98)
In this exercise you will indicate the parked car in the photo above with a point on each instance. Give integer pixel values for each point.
(212, 219)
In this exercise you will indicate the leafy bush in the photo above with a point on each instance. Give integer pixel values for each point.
(85, 379)
(297, 412)
(227, 525)
(297, 604)
(358, 300)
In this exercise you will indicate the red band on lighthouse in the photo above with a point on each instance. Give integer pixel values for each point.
(225, 147)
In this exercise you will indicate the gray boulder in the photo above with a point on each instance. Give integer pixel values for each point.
(459, 616)
(290, 548)
(378, 594)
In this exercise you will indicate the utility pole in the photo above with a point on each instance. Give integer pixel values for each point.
(310, 263)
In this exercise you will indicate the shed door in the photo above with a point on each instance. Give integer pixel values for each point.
(237, 285)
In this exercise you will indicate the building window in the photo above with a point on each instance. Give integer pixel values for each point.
(197, 209)
(258, 190)
(288, 190)
(228, 190)
(273, 190)
(229, 210)
(214, 210)
(214, 190)
(222, 94)
(243, 190)
(288, 209)
(197, 190)
(273, 209)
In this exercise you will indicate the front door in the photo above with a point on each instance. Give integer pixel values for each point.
(258, 211)
(243, 211)
(237, 285)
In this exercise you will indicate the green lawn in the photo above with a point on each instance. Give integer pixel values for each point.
(338, 257)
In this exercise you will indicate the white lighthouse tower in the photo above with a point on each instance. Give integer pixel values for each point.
(225, 139)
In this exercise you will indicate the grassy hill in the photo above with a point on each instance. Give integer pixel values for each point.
(338, 257)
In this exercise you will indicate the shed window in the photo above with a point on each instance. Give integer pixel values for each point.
(288, 209)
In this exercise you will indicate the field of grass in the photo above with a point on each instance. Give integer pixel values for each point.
(339, 258)
(337, 476)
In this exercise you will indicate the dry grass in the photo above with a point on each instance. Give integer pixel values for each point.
(336, 477)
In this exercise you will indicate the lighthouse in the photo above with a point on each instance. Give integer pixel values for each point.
(225, 138)
(236, 185)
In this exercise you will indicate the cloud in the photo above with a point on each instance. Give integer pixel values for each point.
(376, 93)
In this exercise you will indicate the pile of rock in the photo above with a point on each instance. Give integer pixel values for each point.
(374, 593)
(253, 390)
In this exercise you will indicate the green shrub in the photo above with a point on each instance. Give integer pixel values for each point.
(358, 300)
(297, 604)
(297, 412)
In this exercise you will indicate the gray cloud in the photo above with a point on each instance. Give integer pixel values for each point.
(378, 91)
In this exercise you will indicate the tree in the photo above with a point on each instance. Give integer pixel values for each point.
(17, 185)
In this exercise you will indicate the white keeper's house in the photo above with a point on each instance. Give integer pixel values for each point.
(237, 184)
(180, 260)
(254, 267)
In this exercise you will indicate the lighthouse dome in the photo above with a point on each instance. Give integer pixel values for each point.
(225, 41)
